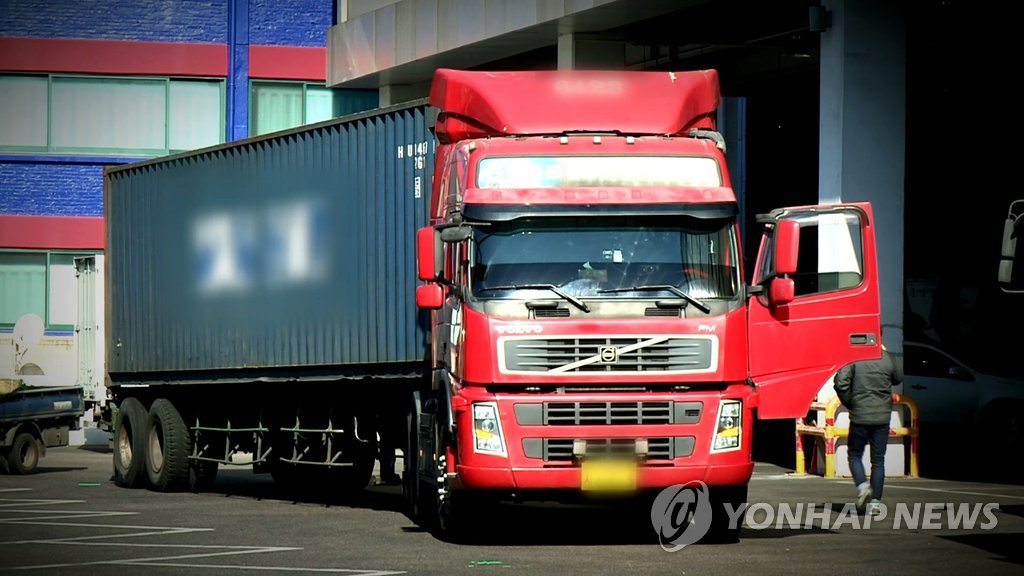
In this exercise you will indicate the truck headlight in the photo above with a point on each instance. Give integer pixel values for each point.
(487, 429)
(729, 429)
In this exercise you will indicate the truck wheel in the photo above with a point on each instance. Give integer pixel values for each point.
(725, 500)
(359, 476)
(130, 444)
(458, 519)
(24, 455)
(410, 464)
(201, 475)
(286, 479)
(167, 448)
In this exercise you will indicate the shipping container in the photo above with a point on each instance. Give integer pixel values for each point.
(290, 253)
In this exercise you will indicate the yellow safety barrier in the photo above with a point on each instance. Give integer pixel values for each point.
(829, 433)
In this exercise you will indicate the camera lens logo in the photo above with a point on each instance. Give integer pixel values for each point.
(681, 515)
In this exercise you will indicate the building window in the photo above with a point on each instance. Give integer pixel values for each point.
(282, 105)
(40, 283)
(102, 115)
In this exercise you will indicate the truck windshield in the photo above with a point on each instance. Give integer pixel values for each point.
(602, 257)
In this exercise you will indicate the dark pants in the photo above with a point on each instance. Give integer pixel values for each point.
(878, 437)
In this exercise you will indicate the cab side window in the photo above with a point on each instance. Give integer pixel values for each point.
(831, 254)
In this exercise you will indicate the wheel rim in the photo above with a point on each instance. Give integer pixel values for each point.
(124, 444)
(156, 451)
(28, 456)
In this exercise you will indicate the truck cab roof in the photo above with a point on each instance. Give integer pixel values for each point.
(481, 104)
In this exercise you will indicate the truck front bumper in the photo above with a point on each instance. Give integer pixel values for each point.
(569, 477)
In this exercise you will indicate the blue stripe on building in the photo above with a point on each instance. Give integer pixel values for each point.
(151, 20)
(45, 189)
(290, 23)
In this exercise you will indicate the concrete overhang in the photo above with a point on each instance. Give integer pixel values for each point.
(404, 42)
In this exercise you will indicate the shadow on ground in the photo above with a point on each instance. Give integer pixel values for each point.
(1005, 547)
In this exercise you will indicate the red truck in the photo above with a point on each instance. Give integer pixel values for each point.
(592, 328)
(586, 324)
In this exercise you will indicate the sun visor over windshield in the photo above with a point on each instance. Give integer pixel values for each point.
(507, 212)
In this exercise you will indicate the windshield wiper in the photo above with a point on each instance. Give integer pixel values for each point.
(657, 287)
(568, 297)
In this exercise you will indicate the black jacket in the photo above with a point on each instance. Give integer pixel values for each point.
(865, 388)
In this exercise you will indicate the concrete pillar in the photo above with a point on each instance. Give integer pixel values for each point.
(590, 52)
(566, 51)
(862, 131)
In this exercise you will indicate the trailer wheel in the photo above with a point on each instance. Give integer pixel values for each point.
(168, 447)
(201, 475)
(130, 444)
(24, 455)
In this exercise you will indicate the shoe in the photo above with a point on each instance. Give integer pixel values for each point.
(875, 508)
(863, 495)
(390, 479)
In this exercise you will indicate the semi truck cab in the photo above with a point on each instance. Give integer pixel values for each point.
(592, 329)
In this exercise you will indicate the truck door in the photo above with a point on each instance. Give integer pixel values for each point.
(89, 270)
(818, 305)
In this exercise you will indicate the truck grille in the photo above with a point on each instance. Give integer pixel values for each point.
(584, 413)
(560, 449)
(619, 355)
(607, 413)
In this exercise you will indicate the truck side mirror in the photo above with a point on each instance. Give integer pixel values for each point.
(429, 254)
(429, 296)
(787, 246)
(781, 291)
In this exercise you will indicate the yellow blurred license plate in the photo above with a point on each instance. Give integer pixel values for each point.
(608, 476)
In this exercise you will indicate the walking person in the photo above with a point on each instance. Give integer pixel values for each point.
(866, 390)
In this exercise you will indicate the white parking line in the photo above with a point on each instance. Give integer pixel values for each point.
(923, 489)
(37, 514)
(274, 568)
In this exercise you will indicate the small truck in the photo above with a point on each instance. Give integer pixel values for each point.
(34, 418)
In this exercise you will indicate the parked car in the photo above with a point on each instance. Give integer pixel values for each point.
(952, 395)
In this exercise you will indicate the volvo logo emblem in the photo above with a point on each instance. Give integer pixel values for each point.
(609, 354)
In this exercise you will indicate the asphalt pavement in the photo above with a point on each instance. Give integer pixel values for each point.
(69, 518)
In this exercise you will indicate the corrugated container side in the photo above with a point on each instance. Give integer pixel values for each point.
(295, 249)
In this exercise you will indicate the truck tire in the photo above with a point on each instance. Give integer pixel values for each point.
(167, 448)
(358, 476)
(410, 468)
(458, 519)
(201, 475)
(725, 500)
(24, 455)
(287, 479)
(130, 444)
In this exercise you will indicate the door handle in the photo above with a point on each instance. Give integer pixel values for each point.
(863, 339)
(918, 387)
